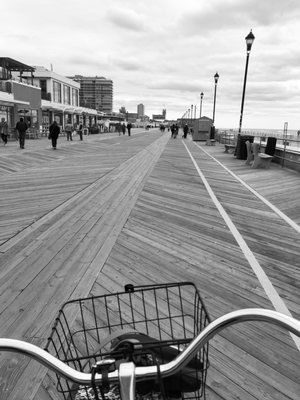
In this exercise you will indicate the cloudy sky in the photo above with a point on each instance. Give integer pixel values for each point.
(164, 53)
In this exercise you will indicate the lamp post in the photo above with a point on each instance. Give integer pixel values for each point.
(192, 111)
(249, 41)
(201, 98)
(216, 77)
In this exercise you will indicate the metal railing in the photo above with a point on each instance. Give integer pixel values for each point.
(286, 144)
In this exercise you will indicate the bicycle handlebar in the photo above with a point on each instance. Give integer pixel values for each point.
(149, 372)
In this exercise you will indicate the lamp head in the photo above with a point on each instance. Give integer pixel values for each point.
(216, 76)
(201, 95)
(249, 41)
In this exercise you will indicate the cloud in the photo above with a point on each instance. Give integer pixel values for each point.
(126, 19)
(167, 52)
(233, 14)
(175, 86)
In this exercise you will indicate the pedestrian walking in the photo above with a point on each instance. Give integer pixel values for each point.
(54, 131)
(119, 128)
(185, 131)
(172, 130)
(4, 130)
(129, 126)
(68, 130)
(80, 131)
(22, 127)
(176, 131)
(123, 128)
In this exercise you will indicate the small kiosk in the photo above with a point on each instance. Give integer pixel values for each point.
(202, 128)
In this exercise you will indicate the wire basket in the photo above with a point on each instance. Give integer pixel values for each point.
(170, 314)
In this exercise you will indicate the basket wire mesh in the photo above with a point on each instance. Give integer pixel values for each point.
(171, 314)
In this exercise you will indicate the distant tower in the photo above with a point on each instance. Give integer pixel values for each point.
(140, 110)
(164, 113)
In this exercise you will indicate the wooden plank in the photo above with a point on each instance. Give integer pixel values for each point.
(104, 217)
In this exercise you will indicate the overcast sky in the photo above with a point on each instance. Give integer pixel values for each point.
(164, 53)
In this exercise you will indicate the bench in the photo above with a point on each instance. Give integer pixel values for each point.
(260, 159)
(229, 148)
(210, 142)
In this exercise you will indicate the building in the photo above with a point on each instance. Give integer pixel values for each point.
(60, 100)
(19, 97)
(131, 117)
(95, 92)
(140, 110)
(159, 117)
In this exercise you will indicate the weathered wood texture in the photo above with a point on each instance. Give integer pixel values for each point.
(97, 214)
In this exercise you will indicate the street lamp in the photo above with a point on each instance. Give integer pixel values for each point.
(192, 111)
(201, 98)
(249, 41)
(216, 77)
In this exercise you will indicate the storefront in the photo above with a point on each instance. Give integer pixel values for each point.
(7, 112)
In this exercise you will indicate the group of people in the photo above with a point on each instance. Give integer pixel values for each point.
(54, 131)
(69, 129)
(21, 127)
(175, 128)
(121, 128)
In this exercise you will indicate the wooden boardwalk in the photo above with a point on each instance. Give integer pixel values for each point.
(112, 209)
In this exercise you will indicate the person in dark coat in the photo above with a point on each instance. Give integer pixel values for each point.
(185, 131)
(21, 127)
(4, 130)
(123, 128)
(176, 129)
(80, 129)
(129, 126)
(172, 130)
(54, 131)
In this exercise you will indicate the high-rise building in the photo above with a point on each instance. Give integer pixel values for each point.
(95, 92)
(140, 110)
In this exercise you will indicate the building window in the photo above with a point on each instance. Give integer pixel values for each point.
(43, 85)
(67, 97)
(56, 92)
(74, 97)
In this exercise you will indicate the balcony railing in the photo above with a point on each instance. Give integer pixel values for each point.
(46, 96)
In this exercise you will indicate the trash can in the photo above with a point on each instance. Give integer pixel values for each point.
(241, 148)
(271, 146)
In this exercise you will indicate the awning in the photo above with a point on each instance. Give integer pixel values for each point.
(14, 65)
(8, 100)
(22, 103)
(52, 106)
